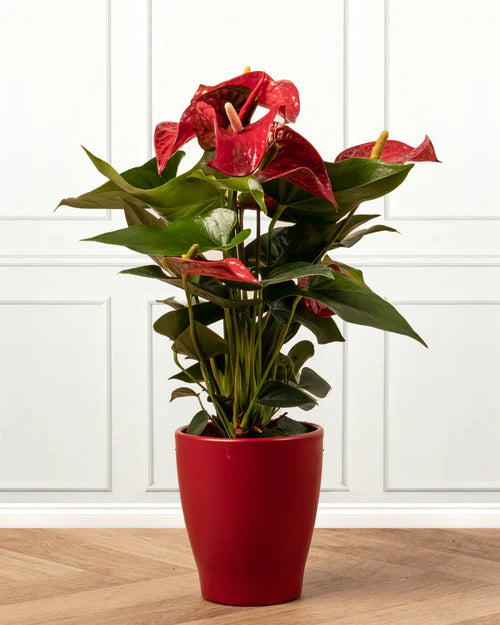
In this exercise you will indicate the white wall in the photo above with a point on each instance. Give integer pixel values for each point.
(86, 430)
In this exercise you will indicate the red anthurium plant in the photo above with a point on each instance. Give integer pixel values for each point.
(262, 289)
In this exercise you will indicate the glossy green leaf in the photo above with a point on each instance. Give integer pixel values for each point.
(141, 215)
(357, 180)
(297, 205)
(109, 195)
(357, 235)
(211, 232)
(173, 323)
(194, 371)
(300, 353)
(324, 328)
(313, 383)
(290, 427)
(352, 302)
(349, 223)
(280, 395)
(218, 293)
(272, 433)
(210, 343)
(292, 271)
(183, 196)
(356, 275)
(353, 180)
(183, 391)
(198, 423)
(244, 184)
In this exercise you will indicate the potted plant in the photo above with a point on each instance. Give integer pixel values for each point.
(249, 474)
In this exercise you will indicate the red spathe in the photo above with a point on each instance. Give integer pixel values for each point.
(250, 507)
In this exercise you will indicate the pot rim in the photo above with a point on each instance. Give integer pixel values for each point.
(318, 431)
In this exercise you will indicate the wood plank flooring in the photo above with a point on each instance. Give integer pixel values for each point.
(148, 577)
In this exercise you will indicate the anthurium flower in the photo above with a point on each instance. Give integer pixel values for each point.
(312, 306)
(297, 161)
(393, 152)
(244, 92)
(230, 269)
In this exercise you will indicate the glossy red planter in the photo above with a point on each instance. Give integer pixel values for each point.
(249, 507)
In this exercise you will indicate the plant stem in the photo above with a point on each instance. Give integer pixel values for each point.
(205, 371)
(257, 251)
(276, 353)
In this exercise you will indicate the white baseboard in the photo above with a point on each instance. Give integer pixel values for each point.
(329, 515)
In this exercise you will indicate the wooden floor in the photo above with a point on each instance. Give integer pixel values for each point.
(147, 577)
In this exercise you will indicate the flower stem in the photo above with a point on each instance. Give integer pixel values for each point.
(279, 344)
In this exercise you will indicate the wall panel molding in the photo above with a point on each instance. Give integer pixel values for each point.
(387, 206)
(386, 447)
(107, 486)
(105, 214)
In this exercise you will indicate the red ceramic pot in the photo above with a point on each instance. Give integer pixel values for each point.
(249, 507)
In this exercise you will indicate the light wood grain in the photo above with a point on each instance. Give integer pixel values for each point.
(148, 577)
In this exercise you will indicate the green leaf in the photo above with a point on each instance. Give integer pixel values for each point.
(210, 343)
(201, 289)
(194, 371)
(324, 328)
(352, 302)
(280, 395)
(140, 215)
(272, 433)
(298, 205)
(300, 353)
(290, 426)
(183, 196)
(147, 271)
(244, 184)
(291, 271)
(353, 180)
(172, 302)
(357, 180)
(211, 232)
(173, 323)
(198, 423)
(183, 391)
(349, 223)
(313, 383)
(357, 235)
(109, 195)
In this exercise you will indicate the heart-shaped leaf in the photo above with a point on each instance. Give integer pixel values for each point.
(291, 271)
(290, 426)
(198, 423)
(183, 391)
(210, 344)
(175, 322)
(352, 301)
(280, 395)
(210, 232)
(300, 353)
(353, 180)
(324, 328)
(313, 383)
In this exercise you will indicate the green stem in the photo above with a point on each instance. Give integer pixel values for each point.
(276, 353)
(205, 371)
(189, 375)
